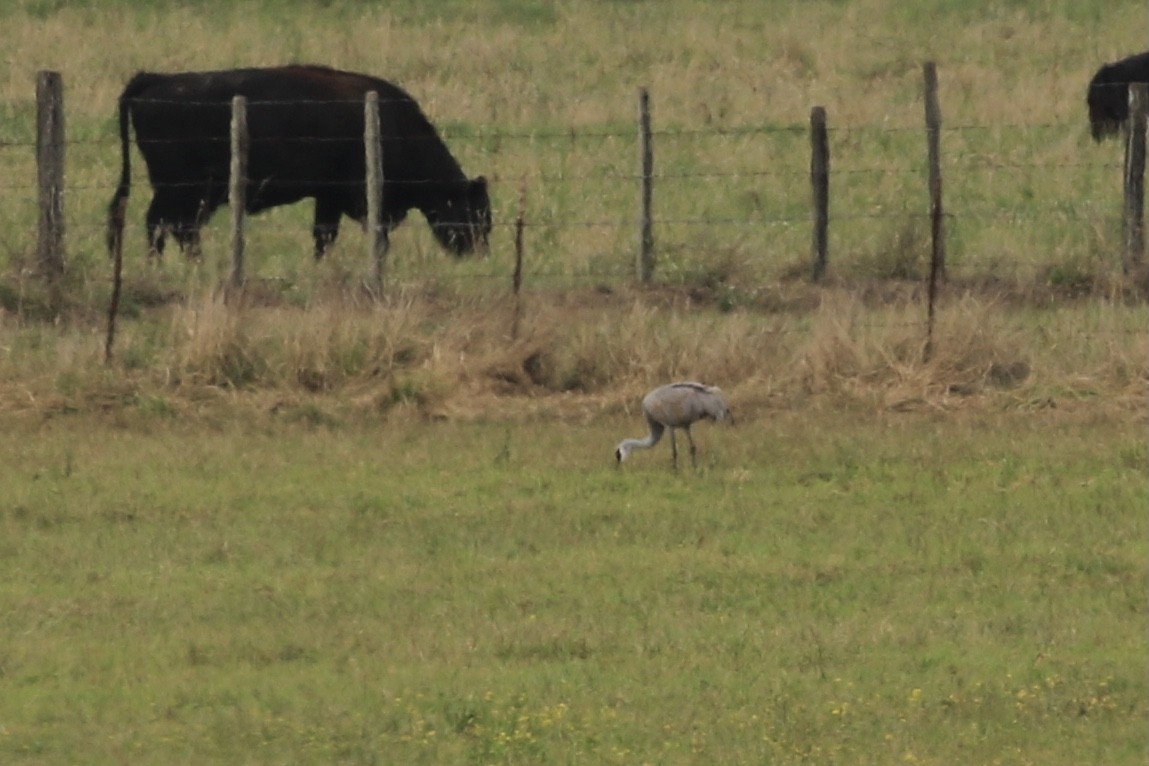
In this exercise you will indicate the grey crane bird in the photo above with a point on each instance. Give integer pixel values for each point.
(676, 405)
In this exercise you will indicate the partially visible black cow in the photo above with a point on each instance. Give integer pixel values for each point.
(306, 140)
(1108, 95)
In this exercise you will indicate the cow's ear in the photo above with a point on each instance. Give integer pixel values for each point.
(479, 185)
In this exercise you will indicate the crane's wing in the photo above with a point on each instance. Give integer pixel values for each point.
(680, 404)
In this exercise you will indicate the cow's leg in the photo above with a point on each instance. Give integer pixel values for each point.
(188, 237)
(156, 226)
(326, 227)
(181, 215)
(187, 231)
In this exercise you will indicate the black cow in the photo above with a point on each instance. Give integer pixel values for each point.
(306, 140)
(1108, 96)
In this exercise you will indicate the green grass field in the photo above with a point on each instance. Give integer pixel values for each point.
(306, 528)
(851, 589)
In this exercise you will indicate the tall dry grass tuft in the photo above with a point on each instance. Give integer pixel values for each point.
(331, 345)
(975, 348)
(627, 347)
(320, 347)
(880, 355)
(1097, 352)
(216, 345)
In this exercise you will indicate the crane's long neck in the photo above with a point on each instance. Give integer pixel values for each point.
(627, 445)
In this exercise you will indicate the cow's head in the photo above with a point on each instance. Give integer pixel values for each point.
(462, 219)
(1108, 101)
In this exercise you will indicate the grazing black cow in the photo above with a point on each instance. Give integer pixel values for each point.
(1108, 96)
(306, 140)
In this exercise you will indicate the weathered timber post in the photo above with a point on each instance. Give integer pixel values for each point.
(237, 188)
(1133, 219)
(373, 148)
(937, 231)
(820, 185)
(50, 173)
(644, 266)
(517, 277)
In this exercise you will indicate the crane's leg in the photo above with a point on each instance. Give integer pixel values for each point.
(689, 438)
(673, 449)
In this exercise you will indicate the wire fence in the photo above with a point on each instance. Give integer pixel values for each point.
(24, 191)
(727, 202)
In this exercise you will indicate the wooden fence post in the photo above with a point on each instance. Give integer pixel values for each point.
(373, 148)
(237, 187)
(820, 184)
(937, 231)
(50, 173)
(1133, 220)
(517, 277)
(644, 266)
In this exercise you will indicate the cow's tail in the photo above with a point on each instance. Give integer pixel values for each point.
(119, 205)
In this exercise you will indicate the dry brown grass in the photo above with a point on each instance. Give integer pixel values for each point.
(885, 354)
(457, 356)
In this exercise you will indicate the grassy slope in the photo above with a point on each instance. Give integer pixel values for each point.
(853, 589)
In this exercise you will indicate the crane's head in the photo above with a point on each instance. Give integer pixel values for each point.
(621, 453)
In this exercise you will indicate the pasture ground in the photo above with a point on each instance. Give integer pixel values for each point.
(832, 585)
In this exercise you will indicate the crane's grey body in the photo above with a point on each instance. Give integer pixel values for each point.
(676, 405)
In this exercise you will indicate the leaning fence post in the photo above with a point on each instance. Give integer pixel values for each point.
(644, 266)
(937, 232)
(1133, 254)
(820, 184)
(50, 173)
(237, 187)
(376, 237)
